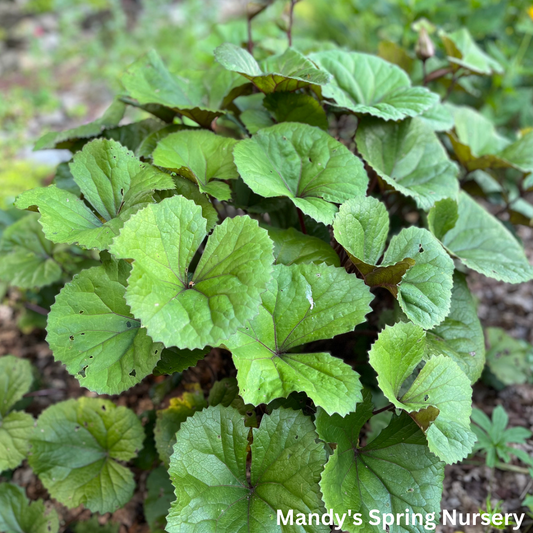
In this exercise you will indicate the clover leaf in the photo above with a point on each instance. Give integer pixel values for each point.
(303, 303)
(199, 156)
(410, 158)
(208, 470)
(77, 450)
(18, 515)
(113, 182)
(394, 473)
(368, 85)
(286, 72)
(192, 310)
(439, 399)
(92, 331)
(15, 427)
(304, 164)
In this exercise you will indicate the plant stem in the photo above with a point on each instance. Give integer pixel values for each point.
(302, 221)
(36, 308)
(436, 74)
(383, 409)
(250, 39)
(291, 20)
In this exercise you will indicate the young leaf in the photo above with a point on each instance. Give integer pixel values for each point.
(174, 360)
(92, 331)
(368, 85)
(297, 107)
(77, 448)
(224, 291)
(286, 462)
(75, 138)
(410, 158)
(198, 96)
(132, 135)
(93, 526)
(483, 244)
(460, 335)
(303, 163)
(199, 156)
(169, 420)
(463, 52)
(442, 217)
(439, 399)
(15, 427)
(286, 72)
(303, 303)
(149, 143)
(26, 256)
(425, 291)
(394, 473)
(292, 247)
(113, 182)
(19, 515)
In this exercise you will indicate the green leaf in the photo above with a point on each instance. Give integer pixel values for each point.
(368, 85)
(292, 107)
(394, 473)
(361, 227)
(113, 182)
(478, 145)
(410, 158)
(425, 291)
(199, 96)
(199, 156)
(160, 494)
(18, 515)
(15, 381)
(303, 303)
(26, 256)
(442, 217)
(460, 335)
(92, 331)
(132, 135)
(439, 399)
(70, 139)
(93, 526)
(286, 463)
(77, 448)
(15, 427)
(438, 117)
(483, 244)
(509, 359)
(149, 144)
(169, 420)
(224, 291)
(463, 52)
(286, 72)
(174, 360)
(293, 247)
(303, 163)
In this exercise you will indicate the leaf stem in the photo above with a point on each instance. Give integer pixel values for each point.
(250, 39)
(291, 20)
(36, 308)
(302, 221)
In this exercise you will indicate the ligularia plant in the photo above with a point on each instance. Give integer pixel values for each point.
(272, 203)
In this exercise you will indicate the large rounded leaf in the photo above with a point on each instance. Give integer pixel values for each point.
(394, 473)
(208, 470)
(77, 450)
(92, 331)
(410, 158)
(303, 303)
(303, 163)
(192, 311)
(113, 181)
(369, 85)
